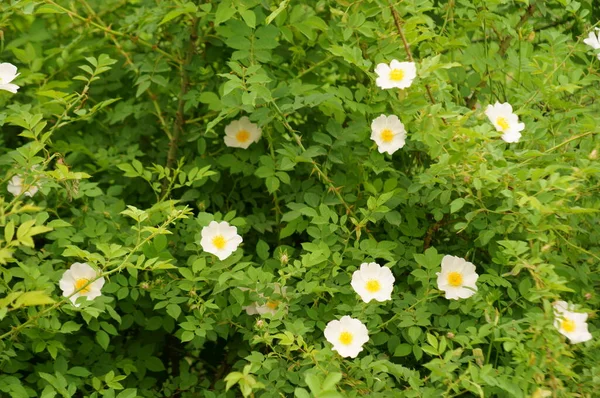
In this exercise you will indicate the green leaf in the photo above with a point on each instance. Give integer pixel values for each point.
(249, 17)
(174, 311)
(232, 378)
(224, 12)
(128, 393)
(9, 231)
(154, 364)
(69, 327)
(262, 249)
(79, 371)
(414, 332)
(102, 339)
(456, 205)
(38, 297)
(301, 393)
(313, 382)
(331, 381)
(432, 340)
(272, 184)
(403, 350)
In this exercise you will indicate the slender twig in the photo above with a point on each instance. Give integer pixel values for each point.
(179, 122)
(433, 229)
(276, 207)
(555, 147)
(314, 66)
(324, 177)
(504, 45)
(407, 48)
(134, 39)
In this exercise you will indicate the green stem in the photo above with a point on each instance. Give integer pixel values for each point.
(123, 264)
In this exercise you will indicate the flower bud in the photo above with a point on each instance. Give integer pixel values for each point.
(284, 258)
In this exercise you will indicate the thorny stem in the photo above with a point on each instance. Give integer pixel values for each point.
(135, 39)
(131, 64)
(275, 196)
(398, 23)
(556, 147)
(504, 45)
(315, 165)
(179, 117)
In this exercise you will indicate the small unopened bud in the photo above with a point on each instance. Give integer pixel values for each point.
(145, 285)
(588, 296)
(193, 293)
(593, 155)
(478, 354)
(450, 335)
(260, 323)
(284, 258)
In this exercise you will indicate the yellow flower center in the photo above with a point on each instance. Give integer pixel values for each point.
(396, 75)
(503, 123)
(79, 283)
(455, 279)
(346, 338)
(272, 304)
(373, 286)
(219, 242)
(568, 325)
(387, 135)
(242, 136)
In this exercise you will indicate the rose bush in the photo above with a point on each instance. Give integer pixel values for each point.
(290, 198)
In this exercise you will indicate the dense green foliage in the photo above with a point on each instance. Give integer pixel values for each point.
(120, 120)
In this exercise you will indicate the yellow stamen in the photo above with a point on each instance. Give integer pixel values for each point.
(373, 286)
(455, 279)
(396, 75)
(387, 135)
(272, 304)
(503, 123)
(79, 283)
(568, 325)
(219, 242)
(242, 136)
(346, 338)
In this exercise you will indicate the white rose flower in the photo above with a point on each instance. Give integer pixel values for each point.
(77, 278)
(220, 239)
(505, 121)
(395, 75)
(570, 324)
(347, 336)
(389, 133)
(458, 278)
(8, 73)
(593, 40)
(17, 187)
(373, 282)
(241, 133)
